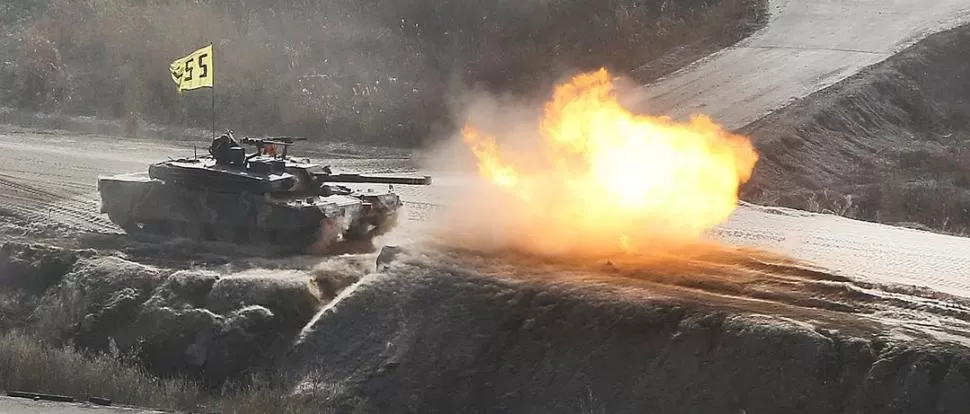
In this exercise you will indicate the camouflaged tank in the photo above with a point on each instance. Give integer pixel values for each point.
(262, 198)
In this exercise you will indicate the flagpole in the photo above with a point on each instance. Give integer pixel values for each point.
(213, 94)
(213, 90)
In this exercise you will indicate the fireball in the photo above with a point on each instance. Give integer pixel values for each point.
(603, 179)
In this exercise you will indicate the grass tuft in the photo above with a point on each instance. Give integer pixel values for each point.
(30, 364)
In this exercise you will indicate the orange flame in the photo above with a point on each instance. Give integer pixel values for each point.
(607, 180)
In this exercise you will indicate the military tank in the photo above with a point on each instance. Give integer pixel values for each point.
(265, 198)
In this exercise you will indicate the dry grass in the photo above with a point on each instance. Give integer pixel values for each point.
(920, 189)
(822, 202)
(29, 364)
(923, 206)
(14, 308)
(44, 360)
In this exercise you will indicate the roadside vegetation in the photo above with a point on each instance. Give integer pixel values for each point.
(28, 363)
(75, 323)
(37, 354)
(348, 70)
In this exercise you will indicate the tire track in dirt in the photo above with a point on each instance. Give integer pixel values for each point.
(867, 251)
(76, 211)
(53, 178)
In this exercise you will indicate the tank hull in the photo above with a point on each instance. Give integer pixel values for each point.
(142, 205)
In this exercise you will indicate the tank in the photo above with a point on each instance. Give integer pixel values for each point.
(263, 198)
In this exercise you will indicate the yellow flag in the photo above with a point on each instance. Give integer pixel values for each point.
(193, 71)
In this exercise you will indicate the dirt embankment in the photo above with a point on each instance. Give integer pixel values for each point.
(441, 331)
(434, 335)
(709, 330)
(890, 144)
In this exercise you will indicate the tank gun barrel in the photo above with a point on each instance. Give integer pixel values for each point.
(357, 178)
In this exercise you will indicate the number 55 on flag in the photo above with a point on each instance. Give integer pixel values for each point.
(193, 71)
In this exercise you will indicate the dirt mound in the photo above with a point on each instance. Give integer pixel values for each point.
(33, 267)
(99, 295)
(890, 144)
(216, 324)
(442, 335)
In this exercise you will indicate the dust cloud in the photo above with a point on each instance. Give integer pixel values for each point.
(478, 215)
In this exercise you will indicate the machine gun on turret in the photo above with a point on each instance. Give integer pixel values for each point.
(227, 150)
(269, 146)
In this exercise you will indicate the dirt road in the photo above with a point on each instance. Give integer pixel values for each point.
(20, 405)
(53, 178)
(806, 46)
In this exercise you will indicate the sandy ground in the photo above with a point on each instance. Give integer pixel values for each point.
(887, 144)
(857, 249)
(807, 46)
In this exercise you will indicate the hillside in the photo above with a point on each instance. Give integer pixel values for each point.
(890, 144)
(361, 71)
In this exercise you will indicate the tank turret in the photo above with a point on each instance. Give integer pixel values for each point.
(265, 197)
